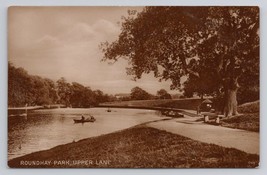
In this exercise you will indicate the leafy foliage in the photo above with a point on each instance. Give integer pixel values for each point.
(163, 94)
(138, 93)
(34, 90)
(252, 107)
(156, 40)
(214, 47)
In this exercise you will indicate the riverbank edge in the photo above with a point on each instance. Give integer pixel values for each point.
(183, 111)
(229, 157)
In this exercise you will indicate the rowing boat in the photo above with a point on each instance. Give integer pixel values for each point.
(83, 121)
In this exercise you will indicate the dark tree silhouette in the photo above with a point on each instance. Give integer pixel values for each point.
(138, 93)
(27, 89)
(34, 90)
(211, 44)
(163, 94)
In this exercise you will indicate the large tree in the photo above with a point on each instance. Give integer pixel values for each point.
(211, 44)
(64, 90)
(82, 96)
(163, 94)
(28, 89)
(34, 90)
(138, 93)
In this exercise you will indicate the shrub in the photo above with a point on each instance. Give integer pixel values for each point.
(251, 107)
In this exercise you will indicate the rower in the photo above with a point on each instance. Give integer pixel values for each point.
(82, 118)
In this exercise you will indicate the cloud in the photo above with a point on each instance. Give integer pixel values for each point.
(72, 52)
(79, 32)
(79, 35)
(106, 27)
(76, 50)
(47, 39)
(83, 32)
(47, 42)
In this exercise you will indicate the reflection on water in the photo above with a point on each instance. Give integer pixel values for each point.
(44, 129)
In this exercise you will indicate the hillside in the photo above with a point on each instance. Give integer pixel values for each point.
(249, 118)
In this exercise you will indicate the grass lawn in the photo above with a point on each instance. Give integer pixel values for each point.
(248, 120)
(141, 147)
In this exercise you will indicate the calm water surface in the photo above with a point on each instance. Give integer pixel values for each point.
(44, 129)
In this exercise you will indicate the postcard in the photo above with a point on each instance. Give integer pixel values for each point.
(133, 87)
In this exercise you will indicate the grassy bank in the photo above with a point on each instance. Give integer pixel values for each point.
(249, 118)
(139, 147)
(169, 103)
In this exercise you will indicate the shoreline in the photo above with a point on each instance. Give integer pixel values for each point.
(137, 147)
(93, 137)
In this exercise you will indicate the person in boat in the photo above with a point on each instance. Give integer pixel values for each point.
(83, 118)
(91, 117)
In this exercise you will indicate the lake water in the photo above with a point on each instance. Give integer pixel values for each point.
(44, 129)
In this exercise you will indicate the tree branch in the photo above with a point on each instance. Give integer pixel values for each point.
(185, 66)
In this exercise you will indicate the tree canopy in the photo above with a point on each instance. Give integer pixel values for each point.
(138, 93)
(216, 46)
(163, 94)
(34, 90)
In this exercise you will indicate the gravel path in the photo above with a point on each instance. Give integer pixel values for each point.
(227, 137)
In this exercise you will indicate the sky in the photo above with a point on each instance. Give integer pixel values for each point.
(55, 42)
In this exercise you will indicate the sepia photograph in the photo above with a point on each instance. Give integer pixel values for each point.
(133, 87)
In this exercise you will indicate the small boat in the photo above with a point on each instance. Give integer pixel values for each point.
(173, 114)
(83, 121)
(109, 110)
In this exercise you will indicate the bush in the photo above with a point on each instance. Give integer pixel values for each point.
(245, 95)
(251, 107)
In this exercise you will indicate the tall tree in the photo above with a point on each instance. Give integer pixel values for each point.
(232, 49)
(39, 91)
(163, 94)
(53, 96)
(138, 93)
(28, 89)
(34, 90)
(19, 84)
(212, 44)
(82, 96)
(205, 84)
(64, 91)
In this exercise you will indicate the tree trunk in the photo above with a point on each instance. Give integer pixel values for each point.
(230, 105)
(202, 96)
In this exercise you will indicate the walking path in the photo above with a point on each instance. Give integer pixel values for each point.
(227, 137)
